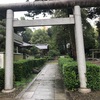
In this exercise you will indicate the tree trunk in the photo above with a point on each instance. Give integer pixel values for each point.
(72, 41)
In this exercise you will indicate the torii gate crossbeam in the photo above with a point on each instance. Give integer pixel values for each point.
(43, 22)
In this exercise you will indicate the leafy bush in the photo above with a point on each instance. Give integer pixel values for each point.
(93, 76)
(48, 58)
(53, 53)
(1, 79)
(22, 69)
(69, 71)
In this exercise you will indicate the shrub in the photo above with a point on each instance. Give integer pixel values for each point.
(1, 79)
(93, 76)
(49, 58)
(53, 53)
(22, 69)
(69, 71)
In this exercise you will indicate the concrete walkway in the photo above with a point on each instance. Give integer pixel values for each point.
(47, 85)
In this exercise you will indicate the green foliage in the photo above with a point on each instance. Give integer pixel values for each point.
(60, 34)
(2, 34)
(48, 58)
(24, 82)
(93, 76)
(69, 71)
(40, 36)
(36, 12)
(1, 79)
(23, 69)
(88, 33)
(27, 34)
(65, 34)
(93, 12)
(98, 31)
(34, 50)
(53, 53)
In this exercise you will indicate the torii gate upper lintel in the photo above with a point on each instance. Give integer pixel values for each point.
(52, 4)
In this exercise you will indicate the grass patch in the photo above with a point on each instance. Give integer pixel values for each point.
(24, 82)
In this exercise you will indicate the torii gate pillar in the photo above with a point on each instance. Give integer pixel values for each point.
(80, 50)
(9, 53)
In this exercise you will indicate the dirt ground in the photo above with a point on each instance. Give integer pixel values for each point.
(97, 62)
(94, 95)
(10, 96)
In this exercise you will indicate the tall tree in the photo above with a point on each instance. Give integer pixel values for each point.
(27, 34)
(88, 33)
(40, 36)
(35, 12)
(2, 34)
(94, 13)
(65, 33)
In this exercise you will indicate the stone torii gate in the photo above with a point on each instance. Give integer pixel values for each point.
(53, 4)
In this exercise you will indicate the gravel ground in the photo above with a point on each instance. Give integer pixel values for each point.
(94, 95)
(4, 96)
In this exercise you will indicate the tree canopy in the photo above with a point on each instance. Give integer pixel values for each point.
(94, 13)
(27, 34)
(2, 34)
(40, 36)
(35, 12)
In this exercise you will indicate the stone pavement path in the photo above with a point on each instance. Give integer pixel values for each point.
(47, 86)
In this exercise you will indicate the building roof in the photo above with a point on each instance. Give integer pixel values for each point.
(39, 46)
(42, 46)
(24, 44)
(17, 38)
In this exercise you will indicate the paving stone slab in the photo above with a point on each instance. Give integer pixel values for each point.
(28, 95)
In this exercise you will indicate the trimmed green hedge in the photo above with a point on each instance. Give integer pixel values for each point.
(1, 79)
(69, 70)
(93, 76)
(22, 69)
